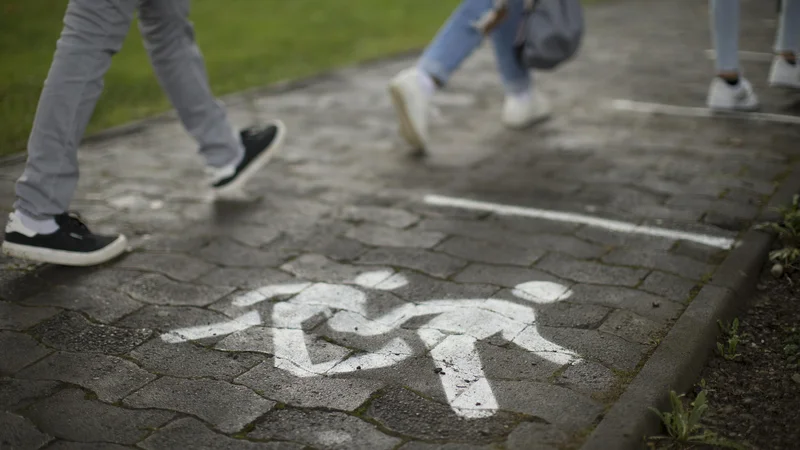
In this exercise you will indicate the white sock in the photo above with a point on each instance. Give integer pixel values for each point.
(46, 226)
(426, 82)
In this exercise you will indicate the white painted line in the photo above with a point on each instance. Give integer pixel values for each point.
(690, 111)
(745, 55)
(559, 216)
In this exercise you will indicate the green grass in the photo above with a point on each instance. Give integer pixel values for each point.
(246, 43)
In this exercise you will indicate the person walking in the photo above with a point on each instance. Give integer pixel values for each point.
(41, 228)
(411, 90)
(730, 90)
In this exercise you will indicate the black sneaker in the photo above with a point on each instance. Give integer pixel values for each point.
(260, 144)
(71, 245)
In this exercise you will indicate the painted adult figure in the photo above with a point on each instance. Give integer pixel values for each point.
(461, 35)
(41, 228)
(730, 90)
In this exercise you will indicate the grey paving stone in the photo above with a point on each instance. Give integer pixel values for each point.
(108, 277)
(421, 288)
(514, 363)
(536, 436)
(71, 332)
(189, 240)
(16, 317)
(168, 318)
(226, 406)
(530, 225)
(596, 345)
(344, 394)
(191, 433)
(700, 252)
(17, 432)
(488, 252)
(390, 217)
(109, 377)
(506, 276)
(70, 416)
(177, 267)
(591, 272)
(244, 278)
(430, 263)
(160, 290)
(232, 254)
(416, 445)
(19, 283)
(102, 304)
(319, 268)
(613, 239)
(555, 404)
(335, 247)
(668, 286)
(187, 360)
(563, 313)
(587, 377)
(631, 327)
(67, 445)
(250, 235)
(405, 412)
(323, 430)
(16, 393)
(254, 339)
(19, 350)
(489, 231)
(665, 262)
(390, 237)
(642, 303)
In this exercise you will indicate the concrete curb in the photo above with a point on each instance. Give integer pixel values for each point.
(677, 362)
(229, 100)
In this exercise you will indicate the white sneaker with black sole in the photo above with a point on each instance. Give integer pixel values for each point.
(71, 245)
(723, 96)
(260, 145)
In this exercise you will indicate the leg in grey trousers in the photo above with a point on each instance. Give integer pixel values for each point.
(93, 32)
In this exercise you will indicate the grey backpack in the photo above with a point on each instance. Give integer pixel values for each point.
(551, 33)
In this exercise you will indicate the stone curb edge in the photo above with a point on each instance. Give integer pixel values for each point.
(231, 99)
(677, 362)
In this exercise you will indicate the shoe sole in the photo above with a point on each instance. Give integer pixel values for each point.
(531, 123)
(722, 109)
(406, 125)
(257, 164)
(778, 84)
(65, 258)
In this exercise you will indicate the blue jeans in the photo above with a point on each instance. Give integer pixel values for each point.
(458, 38)
(725, 25)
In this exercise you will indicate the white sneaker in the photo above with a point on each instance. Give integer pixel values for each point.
(724, 97)
(784, 74)
(412, 105)
(520, 111)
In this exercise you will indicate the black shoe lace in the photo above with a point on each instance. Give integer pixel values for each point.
(72, 222)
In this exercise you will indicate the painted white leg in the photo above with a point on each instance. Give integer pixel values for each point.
(465, 385)
(531, 340)
(291, 354)
(394, 352)
(240, 323)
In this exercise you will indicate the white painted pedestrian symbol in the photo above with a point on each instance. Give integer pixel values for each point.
(451, 335)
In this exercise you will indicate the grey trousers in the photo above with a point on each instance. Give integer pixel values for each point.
(93, 32)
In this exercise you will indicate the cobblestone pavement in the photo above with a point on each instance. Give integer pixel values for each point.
(337, 309)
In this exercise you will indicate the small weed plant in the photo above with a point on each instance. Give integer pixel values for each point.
(787, 231)
(730, 340)
(683, 425)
